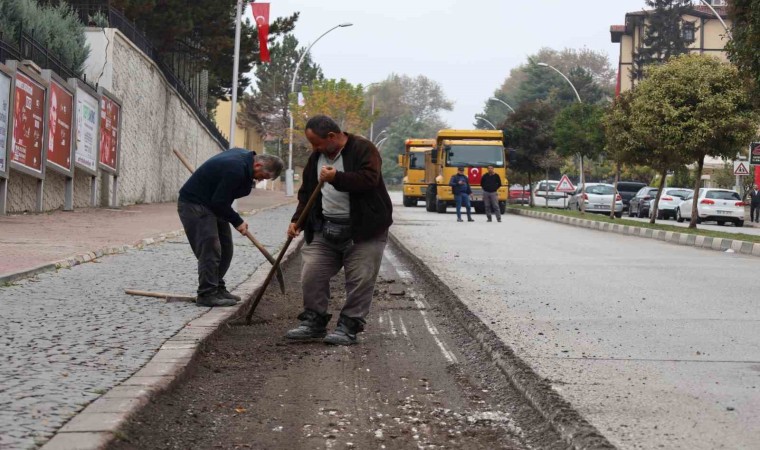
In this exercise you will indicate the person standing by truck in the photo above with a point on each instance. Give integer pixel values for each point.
(491, 182)
(460, 187)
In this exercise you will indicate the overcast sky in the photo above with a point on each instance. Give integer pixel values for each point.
(468, 46)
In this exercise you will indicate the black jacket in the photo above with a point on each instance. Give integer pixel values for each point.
(457, 188)
(490, 183)
(754, 198)
(219, 181)
(371, 208)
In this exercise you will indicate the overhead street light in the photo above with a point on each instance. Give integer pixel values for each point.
(289, 172)
(382, 141)
(380, 134)
(502, 102)
(486, 121)
(722, 22)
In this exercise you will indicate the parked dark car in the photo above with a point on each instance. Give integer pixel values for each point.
(627, 189)
(641, 202)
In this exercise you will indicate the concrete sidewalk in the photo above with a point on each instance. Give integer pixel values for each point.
(31, 243)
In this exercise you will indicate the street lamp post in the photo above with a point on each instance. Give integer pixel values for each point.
(289, 172)
(579, 101)
(502, 102)
(380, 134)
(486, 121)
(722, 22)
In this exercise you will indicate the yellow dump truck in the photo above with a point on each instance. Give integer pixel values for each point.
(417, 155)
(474, 150)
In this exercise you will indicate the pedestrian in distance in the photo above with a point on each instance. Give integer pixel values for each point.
(460, 187)
(754, 204)
(205, 210)
(491, 182)
(347, 227)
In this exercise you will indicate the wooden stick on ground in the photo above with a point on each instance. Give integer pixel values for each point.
(276, 266)
(166, 296)
(249, 235)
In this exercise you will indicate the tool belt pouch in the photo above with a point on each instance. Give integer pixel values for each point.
(336, 231)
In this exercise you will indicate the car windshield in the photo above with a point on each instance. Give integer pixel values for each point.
(474, 155)
(416, 160)
(680, 193)
(629, 187)
(722, 195)
(600, 190)
(552, 186)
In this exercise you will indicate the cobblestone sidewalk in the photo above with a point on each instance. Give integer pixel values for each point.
(71, 335)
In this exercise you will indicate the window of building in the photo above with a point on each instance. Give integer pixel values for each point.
(718, 2)
(687, 32)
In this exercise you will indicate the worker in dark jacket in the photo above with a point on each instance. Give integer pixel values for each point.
(205, 209)
(347, 227)
(754, 204)
(460, 187)
(491, 182)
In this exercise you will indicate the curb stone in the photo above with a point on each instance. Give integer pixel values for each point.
(81, 258)
(671, 237)
(96, 426)
(558, 412)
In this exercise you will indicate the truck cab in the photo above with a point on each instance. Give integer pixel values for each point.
(474, 150)
(416, 162)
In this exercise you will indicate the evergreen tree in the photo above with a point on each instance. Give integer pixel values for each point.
(664, 35)
(744, 46)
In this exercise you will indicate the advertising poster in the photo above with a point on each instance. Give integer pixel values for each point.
(87, 122)
(59, 126)
(28, 114)
(109, 132)
(5, 103)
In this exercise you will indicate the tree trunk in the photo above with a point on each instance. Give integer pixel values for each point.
(695, 200)
(614, 197)
(654, 207)
(530, 190)
(583, 189)
(547, 187)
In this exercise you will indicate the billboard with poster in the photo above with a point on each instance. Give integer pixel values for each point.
(110, 116)
(60, 126)
(6, 81)
(28, 124)
(86, 137)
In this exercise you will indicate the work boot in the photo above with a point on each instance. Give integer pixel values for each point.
(470, 219)
(313, 326)
(460, 220)
(345, 332)
(488, 220)
(224, 293)
(215, 299)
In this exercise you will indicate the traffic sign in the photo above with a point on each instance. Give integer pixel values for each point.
(565, 185)
(754, 153)
(741, 168)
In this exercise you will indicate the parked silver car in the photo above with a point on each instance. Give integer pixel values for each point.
(598, 198)
(669, 201)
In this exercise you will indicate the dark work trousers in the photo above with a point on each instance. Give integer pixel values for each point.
(211, 240)
(322, 260)
(462, 198)
(491, 204)
(754, 212)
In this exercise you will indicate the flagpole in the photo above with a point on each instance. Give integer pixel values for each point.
(235, 66)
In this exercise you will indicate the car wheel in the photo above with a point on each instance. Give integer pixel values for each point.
(739, 223)
(630, 210)
(721, 222)
(679, 219)
(640, 213)
(660, 215)
(619, 214)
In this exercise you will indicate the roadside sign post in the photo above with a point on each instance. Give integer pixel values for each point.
(565, 186)
(741, 169)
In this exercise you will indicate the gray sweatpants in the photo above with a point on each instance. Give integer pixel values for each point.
(322, 260)
(491, 202)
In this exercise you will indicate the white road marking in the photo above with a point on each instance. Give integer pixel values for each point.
(392, 325)
(403, 327)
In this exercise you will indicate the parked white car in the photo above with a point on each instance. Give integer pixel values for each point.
(719, 205)
(669, 201)
(598, 198)
(544, 194)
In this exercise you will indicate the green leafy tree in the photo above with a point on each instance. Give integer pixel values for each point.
(619, 142)
(664, 35)
(693, 107)
(266, 107)
(578, 131)
(744, 46)
(57, 27)
(530, 131)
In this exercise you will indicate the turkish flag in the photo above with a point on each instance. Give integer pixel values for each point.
(474, 174)
(261, 15)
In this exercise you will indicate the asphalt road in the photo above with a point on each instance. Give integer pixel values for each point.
(657, 345)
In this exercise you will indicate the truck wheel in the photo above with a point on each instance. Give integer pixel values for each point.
(409, 201)
(440, 207)
(430, 200)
